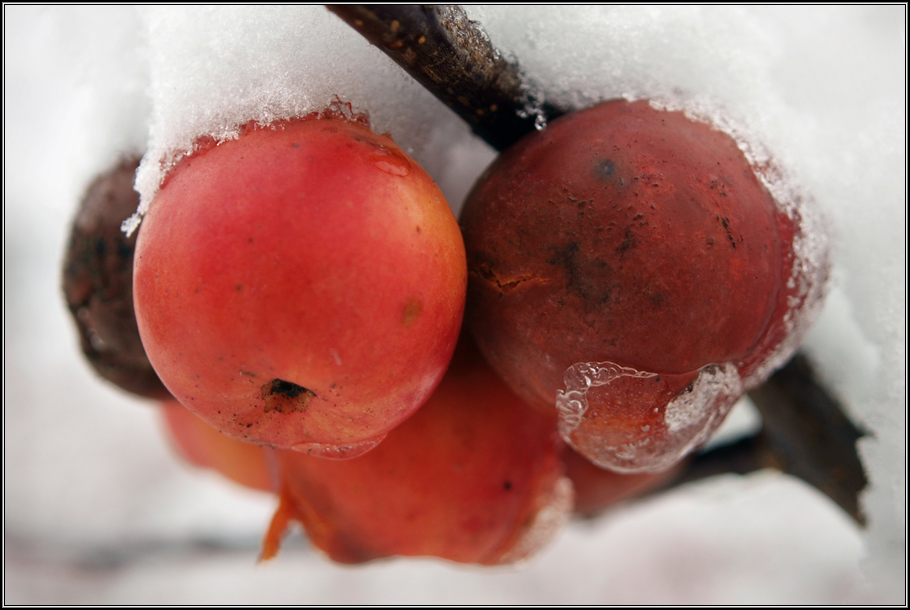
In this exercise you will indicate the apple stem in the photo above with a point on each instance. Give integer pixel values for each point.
(454, 59)
(809, 436)
(805, 432)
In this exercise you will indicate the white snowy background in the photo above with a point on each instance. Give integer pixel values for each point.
(98, 511)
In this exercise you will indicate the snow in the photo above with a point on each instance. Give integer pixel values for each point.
(96, 509)
(213, 69)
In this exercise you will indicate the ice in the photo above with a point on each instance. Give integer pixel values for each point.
(531, 104)
(809, 276)
(693, 408)
(572, 403)
(688, 419)
(824, 87)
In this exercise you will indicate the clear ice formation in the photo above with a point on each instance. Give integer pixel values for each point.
(688, 419)
(572, 404)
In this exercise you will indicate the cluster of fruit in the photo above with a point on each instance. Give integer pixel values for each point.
(624, 276)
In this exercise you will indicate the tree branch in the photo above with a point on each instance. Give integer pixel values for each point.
(453, 58)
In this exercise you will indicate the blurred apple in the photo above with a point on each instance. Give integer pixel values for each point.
(98, 283)
(204, 446)
(474, 477)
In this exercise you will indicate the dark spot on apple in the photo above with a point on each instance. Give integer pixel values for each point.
(412, 311)
(286, 396)
(588, 277)
(629, 241)
(605, 169)
(726, 223)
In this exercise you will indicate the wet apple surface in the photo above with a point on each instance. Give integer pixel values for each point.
(301, 286)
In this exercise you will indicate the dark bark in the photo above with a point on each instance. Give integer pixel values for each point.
(453, 58)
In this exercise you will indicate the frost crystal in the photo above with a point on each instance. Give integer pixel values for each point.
(531, 104)
(808, 276)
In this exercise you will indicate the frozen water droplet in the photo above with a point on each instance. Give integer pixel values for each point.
(338, 452)
(532, 100)
(688, 419)
(396, 169)
(390, 162)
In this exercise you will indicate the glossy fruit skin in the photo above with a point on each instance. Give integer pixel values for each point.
(473, 477)
(203, 446)
(301, 286)
(640, 246)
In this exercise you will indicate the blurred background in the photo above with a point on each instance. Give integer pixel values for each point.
(98, 510)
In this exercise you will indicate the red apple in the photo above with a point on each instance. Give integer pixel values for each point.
(301, 286)
(474, 476)
(628, 265)
(597, 489)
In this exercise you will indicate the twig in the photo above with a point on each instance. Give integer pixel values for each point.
(810, 437)
(453, 58)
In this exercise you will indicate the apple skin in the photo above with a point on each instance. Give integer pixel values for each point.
(473, 477)
(203, 446)
(597, 489)
(628, 265)
(301, 286)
